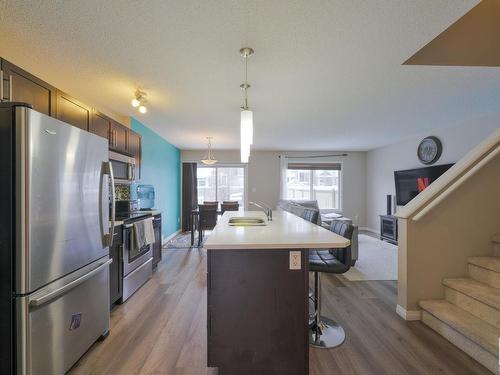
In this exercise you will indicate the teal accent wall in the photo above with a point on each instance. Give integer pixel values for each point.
(161, 167)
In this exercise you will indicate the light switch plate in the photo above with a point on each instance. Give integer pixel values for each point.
(295, 260)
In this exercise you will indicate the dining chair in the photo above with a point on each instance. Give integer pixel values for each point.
(216, 203)
(207, 219)
(229, 206)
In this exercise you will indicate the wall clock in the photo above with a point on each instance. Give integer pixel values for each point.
(429, 150)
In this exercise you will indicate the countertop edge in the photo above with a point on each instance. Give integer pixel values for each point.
(276, 246)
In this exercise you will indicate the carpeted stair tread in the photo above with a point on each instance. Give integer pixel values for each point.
(479, 291)
(490, 263)
(475, 329)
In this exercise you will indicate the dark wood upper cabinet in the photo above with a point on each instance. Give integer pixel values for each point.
(118, 137)
(134, 148)
(73, 111)
(18, 85)
(21, 86)
(100, 124)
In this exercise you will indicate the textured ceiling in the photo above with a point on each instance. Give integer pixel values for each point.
(326, 74)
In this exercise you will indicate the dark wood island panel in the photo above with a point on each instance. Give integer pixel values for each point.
(257, 312)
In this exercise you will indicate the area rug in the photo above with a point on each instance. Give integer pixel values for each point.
(183, 241)
(378, 260)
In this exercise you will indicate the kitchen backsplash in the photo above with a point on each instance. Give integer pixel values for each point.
(122, 192)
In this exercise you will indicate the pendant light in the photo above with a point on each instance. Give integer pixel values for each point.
(246, 126)
(209, 158)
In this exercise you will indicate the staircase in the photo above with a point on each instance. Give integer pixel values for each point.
(469, 316)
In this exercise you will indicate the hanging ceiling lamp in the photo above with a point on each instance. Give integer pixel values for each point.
(246, 127)
(209, 158)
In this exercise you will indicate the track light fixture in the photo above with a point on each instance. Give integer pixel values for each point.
(139, 101)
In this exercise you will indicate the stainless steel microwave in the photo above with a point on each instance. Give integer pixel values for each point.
(124, 168)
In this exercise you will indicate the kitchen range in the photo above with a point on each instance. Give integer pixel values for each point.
(136, 248)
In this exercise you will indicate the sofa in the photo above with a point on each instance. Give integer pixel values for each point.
(296, 206)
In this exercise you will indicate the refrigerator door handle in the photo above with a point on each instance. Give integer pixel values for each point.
(57, 292)
(107, 168)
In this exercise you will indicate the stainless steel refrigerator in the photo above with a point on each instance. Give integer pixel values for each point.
(54, 237)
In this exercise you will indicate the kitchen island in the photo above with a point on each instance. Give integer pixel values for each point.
(258, 287)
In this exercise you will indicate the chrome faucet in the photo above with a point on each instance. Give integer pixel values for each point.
(264, 207)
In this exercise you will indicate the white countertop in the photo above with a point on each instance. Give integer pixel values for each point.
(285, 231)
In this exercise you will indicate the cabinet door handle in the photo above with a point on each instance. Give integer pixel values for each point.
(1, 85)
(10, 88)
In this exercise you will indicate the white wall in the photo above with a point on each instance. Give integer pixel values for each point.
(264, 176)
(382, 162)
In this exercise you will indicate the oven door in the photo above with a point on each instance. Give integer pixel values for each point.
(133, 257)
(123, 168)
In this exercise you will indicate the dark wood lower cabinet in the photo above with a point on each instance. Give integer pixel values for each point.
(115, 268)
(157, 244)
(257, 320)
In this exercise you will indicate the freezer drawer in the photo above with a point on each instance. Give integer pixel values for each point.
(58, 324)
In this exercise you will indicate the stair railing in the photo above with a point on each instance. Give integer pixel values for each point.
(452, 179)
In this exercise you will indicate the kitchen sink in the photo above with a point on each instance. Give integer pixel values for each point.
(247, 221)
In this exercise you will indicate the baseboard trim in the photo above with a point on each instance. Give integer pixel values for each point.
(370, 230)
(408, 314)
(166, 239)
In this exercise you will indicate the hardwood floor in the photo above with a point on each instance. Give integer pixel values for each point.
(162, 329)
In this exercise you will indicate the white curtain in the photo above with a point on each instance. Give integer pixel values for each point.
(283, 168)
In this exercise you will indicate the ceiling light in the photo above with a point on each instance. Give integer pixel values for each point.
(209, 158)
(246, 125)
(139, 100)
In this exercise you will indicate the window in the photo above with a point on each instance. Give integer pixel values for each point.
(319, 181)
(221, 183)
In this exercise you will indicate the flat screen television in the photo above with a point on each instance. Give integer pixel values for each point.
(410, 182)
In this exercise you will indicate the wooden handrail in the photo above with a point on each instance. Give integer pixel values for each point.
(451, 179)
(456, 184)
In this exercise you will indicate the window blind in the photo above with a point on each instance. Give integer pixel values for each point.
(315, 166)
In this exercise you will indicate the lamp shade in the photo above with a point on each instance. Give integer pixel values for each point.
(246, 134)
(247, 123)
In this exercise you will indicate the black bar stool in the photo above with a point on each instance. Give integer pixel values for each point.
(325, 332)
